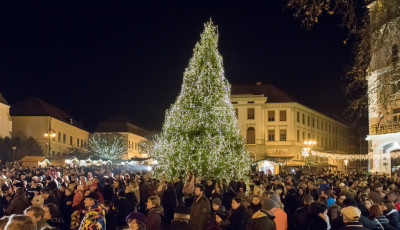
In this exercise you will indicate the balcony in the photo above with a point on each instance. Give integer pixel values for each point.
(385, 128)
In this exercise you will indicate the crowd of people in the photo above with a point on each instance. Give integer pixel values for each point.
(119, 198)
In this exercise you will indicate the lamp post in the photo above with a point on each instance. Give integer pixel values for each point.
(50, 133)
(306, 152)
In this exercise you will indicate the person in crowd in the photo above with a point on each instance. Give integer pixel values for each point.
(280, 215)
(200, 210)
(135, 221)
(216, 205)
(351, 216)
(311, 190)
(378, 220)
(169, 203)
(238, 217)
(111, 215)
(365, 206)
(53, 216)
(318, 216)
(37, 215)
(391, 213)
(208, 189)
(255, 206)
(19, 203)
(377, 195)
(178, 184)
(340, 199)
(143, 193)
(155, 212)
(181, 219)
(49, 198)
(300, 216)
(222, 220)
(264, 218)
(130, 198)
(20, 222)
(188, 189)
(108, 192)
(94, 214)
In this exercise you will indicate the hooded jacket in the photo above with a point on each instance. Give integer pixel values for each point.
(261, 220)
(153, 219)
(94, 218)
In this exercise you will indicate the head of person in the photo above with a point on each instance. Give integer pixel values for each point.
(375, 211)
(50, 211)
(236, 202)
(318, 209)
(310, 185)
(341, 198)
(392, 196)
(216, 204)
(182, 213)
(220, 216)
(20, 222)
(153, 202)
(91, 199)
(36, 213)
(378, 187)
(269, 206)
(351, 214)
(199, 190)
(255, 200)
(108, 206)
(387, 206)
(45, 193)
(308, 199)
(135, 221)
(368, 203)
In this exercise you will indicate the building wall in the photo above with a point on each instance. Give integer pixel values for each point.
(133, 146)
(288, 133)
(68, 137)
(5, 121)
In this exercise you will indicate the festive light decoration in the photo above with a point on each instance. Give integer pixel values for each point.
(201, 133)
(350, 157)
(108, 145)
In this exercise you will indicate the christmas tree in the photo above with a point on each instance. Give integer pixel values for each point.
(201, 132)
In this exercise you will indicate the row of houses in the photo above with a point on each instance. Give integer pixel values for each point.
(58, 133)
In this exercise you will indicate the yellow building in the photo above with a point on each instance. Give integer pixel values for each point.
(275, 126)
(56, 131)
(134, 135)
(5, 119)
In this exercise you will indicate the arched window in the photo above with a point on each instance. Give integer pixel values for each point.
(252, 156)
(251, 135)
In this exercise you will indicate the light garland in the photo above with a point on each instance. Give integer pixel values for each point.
(201, 133)
(350, 157)
(108, 145)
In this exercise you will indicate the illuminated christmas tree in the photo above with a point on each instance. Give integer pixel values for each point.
(200, 132)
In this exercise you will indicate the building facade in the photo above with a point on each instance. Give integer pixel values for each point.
(134, 135)
(275, 125)
(383, 102)
(5, 118)
(56, 131)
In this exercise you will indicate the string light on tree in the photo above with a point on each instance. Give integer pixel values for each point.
(201, 133)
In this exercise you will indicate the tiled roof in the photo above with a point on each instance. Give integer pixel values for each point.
(273, 93)
(37, 107)
(121, 124)
(2, 100)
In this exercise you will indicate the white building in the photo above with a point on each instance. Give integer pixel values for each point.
(5, 119)
(134, 135)
(275, 125)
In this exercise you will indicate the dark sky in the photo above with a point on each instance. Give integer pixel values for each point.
(97, 59)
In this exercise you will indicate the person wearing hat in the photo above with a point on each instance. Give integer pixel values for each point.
(264, 218)
(136, 221)
(216, 207)
(351, 216)
(181, 219)
(222, 221)
(376, 194)
(95, 214)
(280, 215)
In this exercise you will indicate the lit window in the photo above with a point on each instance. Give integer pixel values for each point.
(250, 113)
(251, 136)
(282, 134)
(271, 135)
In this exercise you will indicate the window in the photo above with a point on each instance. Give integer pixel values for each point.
(308, 120)
(298, 136)
(234, 102)
(64, 138)
(271, 135)
(298, 116)
(251, 136)
(58, 153)
(271, 115)
(81, 143)
(59, 137)
(237, 113)
(317, 124)
(85, 144)
(304, 119)
(395, 53)
(70, 140)
(313, 122)
(77, 142)
(250, 113)
(282, 135)
(282, 115)
(53, 153)
(250, 102)
(304, 136)
(129, 144)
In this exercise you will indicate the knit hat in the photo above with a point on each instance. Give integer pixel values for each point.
(268, 204)
(223, 215)
(276, 199)
(217, 201)
(352, 213)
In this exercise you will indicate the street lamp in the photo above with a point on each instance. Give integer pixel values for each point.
(306, 151)
(14, 148)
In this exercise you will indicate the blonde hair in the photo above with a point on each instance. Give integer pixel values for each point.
(155, 200)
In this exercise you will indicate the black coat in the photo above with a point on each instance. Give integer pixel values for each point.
(52, 200)
(108, 192)
(132, 202)
(179, 187)
(169, 199)
(179, 225)
(112, 219)
(394, 218)
(353, 226)
(238, 219)
(300, 218)
(143, 190)
(317, 223)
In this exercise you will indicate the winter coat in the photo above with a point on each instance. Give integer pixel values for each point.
(208, 191)
(142, 191)
(261, 220)
(364, 221)
(300, 218)
(178, 187)
(131, 201)
(227, 198)
(153, 218)
(94, 218)
(213, 214)
(353, 226)
(317, 223)
(200, 213)
(111, 219)
(238, 219)
(78, 198)
(394, 218)
(169, 199)
(179, 225)
(19, 203)
(280, 219)
(123, 208)
(380, 223)
(52, 200)
(253, 209)
(108, 192)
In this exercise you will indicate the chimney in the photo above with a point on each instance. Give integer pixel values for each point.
(259, 83)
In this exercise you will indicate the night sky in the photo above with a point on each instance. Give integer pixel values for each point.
(98, 59)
